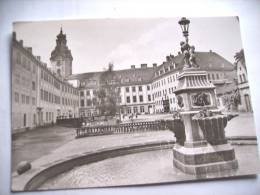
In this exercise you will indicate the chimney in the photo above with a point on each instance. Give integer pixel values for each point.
(29, 49)
(38, 58)
(21, 42)
(210, 51)
(132, 66)
(167, 58)
(143, 65)
(154, 65)
(14, 35)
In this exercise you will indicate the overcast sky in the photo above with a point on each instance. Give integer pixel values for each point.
(96, 42)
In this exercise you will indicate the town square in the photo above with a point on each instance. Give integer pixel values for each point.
(187, 117)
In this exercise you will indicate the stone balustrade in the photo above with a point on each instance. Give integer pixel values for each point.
(120, 128)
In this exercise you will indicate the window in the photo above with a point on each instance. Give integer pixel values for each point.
(23, 99)
(34, 119)
(128, 99)
(135, 110)
(149, 98)
(89, 102)
(46, 116)
(94, 100)
(16, 97)
(213, 77)
(142, 109)
(141, 98)
(133, 89)
(33, 85)
(41, 94)
(82, 103)
(33, 101)
(34, 68)
(129, 110)
(18, 58)
(82, 93)
(241, 80)
(88, 93)
(148, 87)
(42, 74)
(217, 75)
(29, 65)
(134, 98)
(140, 88)
(127, 89)
(244, 77)
(27, 100)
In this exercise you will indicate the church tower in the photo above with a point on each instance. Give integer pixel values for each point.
(61, 58)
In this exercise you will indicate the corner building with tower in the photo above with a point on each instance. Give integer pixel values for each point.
(41, 94)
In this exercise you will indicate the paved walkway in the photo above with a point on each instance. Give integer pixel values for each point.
(243, 125)
(79, 147)
(49, 145)
(33, 144)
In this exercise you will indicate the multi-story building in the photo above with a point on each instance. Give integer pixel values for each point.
(151, 89)
(133, 85)
(243, 86)
(39, 95)
(24, 82)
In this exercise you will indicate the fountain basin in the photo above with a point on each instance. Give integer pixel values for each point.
(213, 128)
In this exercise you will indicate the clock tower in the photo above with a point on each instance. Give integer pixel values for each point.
(61, 58)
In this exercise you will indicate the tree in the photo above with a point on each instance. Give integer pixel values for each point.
(240, 57)
(108, 92)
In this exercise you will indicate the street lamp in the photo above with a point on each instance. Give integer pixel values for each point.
(184, 23)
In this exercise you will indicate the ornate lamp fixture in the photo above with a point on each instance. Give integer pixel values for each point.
(184, 23)
(186, 49)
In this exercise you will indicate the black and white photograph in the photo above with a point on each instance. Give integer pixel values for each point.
(128, 102)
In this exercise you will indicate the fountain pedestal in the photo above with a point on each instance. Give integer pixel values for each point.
(205, 148)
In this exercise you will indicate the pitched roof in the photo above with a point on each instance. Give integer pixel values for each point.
(127, 77)
(206, 60)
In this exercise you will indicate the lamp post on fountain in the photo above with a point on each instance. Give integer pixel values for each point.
(205, 148)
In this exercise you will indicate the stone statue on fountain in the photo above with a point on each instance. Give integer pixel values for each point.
(201, 145)
(189, 55)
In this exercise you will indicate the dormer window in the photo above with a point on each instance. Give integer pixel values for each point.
(161, 72)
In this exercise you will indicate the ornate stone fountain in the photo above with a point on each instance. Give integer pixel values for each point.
(205, 148)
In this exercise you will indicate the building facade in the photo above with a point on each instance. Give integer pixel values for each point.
(243, 87)
(148, 90)
(39, 95)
